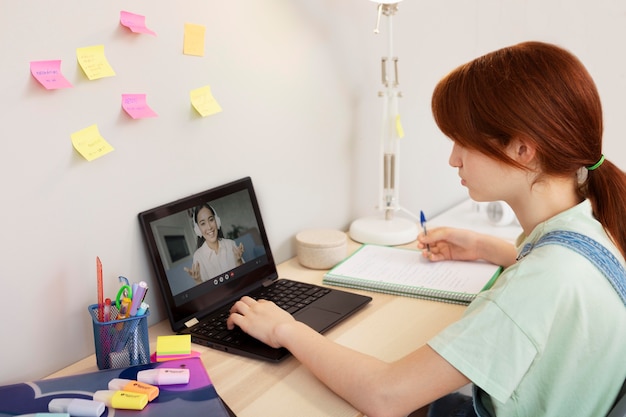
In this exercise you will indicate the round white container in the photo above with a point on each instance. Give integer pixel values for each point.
(321, 248)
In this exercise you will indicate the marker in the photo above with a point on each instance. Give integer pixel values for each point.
(45, 415)
(423, 223)
(142, 309)
(128, 385)
(164, 376)
(121, 399)
(124, 309)
(76, 407)
(139, 294)
(123, 313)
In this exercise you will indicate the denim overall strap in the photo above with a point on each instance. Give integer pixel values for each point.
(600, 256)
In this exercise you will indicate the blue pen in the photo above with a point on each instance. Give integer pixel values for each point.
(423, 223)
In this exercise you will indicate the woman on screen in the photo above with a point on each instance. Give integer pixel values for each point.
(215, 254)
(548, 338)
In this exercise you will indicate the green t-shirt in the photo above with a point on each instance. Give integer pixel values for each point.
(548, 338)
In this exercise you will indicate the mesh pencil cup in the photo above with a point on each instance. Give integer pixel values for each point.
(120, 343)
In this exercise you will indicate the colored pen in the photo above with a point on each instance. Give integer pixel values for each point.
(107, 309)
(423, 223)
(134, 288)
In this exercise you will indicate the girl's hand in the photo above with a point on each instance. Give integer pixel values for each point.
(259, 319)
(448, 243)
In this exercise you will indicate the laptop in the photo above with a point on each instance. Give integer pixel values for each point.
(199, 285)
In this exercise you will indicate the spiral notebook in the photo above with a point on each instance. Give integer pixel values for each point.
(403, 271)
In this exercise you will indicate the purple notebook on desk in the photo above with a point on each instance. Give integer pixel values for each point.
(198, 397)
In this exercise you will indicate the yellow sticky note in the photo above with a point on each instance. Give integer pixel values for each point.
(399, 129)
(194, 39)
(204, 102)
(93, 62)
(177, 344)
(90, 144)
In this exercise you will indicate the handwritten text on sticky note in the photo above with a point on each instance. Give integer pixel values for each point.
(136, 107)
(93, 62)
(48, 73)
(204, 102)
(90, 144)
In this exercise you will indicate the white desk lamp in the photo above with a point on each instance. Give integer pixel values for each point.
(386, 229)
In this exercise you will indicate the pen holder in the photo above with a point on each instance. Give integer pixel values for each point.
(120, 343)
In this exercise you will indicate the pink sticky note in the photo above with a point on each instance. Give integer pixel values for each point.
(48, 73)
(135, 105)
(135, 22)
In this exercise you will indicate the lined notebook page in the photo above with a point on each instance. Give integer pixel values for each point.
(407, 267)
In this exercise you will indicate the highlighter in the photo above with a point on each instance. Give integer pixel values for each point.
(76, 407)
(164, 376)
(142, 308)
(124, 312)
(119, 384)
(122, 400)
(45, 415)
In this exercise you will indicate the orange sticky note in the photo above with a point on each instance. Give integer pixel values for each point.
(194, 39)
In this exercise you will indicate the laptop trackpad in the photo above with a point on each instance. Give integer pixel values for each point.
(317, 318)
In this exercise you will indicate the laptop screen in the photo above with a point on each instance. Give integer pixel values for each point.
(207, 249)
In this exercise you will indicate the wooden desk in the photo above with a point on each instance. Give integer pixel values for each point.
(388, 328)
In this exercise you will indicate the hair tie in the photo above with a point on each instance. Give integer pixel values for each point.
(597, 164)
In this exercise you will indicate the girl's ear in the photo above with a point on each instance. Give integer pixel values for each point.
(523, 151)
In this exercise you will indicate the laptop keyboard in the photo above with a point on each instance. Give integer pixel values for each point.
(292, 295)
(289, 295)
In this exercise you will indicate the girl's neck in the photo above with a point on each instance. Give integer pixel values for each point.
(544, 200)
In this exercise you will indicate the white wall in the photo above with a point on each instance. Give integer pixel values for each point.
(298, 81)
(286, 123)
(433, 37)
